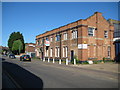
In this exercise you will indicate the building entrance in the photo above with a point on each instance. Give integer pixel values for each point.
(72, 55)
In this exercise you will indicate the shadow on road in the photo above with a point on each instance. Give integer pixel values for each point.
(23, 77)
(2, 59)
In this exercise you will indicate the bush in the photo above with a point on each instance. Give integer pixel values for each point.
(95, 62)
(109, 61)
(93, 59)
(63, 61)
(77, 61)
(36, 58)
(84, 62)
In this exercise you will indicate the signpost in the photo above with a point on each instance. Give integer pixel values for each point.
(47, 43)
(66, 61)
(53, 60)
(59, 61)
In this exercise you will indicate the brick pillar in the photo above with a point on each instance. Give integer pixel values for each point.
(112, 53)
(82, 39)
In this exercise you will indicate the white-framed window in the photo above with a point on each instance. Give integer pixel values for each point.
(65, 36)
(66, 51)
(37, 52)
(74, 34)
(47, 52)
(63, 51)
(106, 34)
(47, 39)
(91, 31)
(51, 39)
(57, 37)
(58, 51)
(51, 52)
(38, 42)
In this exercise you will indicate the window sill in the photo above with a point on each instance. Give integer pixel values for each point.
(64, 40)
(57, 41)
(73, 38)
(90, 36)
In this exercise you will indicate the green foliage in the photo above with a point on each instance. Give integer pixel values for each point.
(85, 62)
(104, 58)
(109, 61)
(95, 62)
(17, 46)
(36, 58)
(13, 37)
(63, 61)
(102, 61)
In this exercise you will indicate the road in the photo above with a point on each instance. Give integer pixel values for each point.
(38, 74)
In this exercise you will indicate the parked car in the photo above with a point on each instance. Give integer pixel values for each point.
(12, 56)
(25, 58)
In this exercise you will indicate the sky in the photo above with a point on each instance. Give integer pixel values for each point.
(34, 18)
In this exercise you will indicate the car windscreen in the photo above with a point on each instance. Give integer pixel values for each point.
(27, 56)
(11, 54)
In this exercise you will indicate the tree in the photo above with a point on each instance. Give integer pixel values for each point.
(17, 46)
(13, 37)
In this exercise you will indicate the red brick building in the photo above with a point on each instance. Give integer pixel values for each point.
(87, 39)
(30, 49)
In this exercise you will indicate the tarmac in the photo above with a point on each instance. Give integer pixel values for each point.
(106, 67)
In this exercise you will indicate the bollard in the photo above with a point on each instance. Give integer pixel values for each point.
(48, 60)
(44, 60)
(66, 61)
(74, 62)
(59, 61)
(53, 60)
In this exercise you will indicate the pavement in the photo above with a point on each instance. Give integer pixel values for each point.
(107, 66)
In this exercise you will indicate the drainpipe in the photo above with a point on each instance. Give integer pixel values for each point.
(96, 36)
(81, 43)
(60, 46)
(43, 49)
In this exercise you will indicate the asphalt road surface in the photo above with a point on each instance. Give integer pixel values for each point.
(38, 74)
